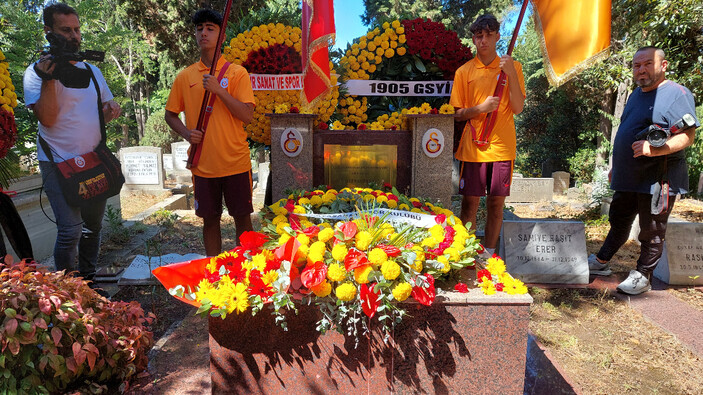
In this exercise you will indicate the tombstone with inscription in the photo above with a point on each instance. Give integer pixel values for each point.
(682, 260)
(142, 168)
(179, 152)
(531, 190)
(543, 251)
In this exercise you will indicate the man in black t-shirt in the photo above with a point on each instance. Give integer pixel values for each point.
(641, 172)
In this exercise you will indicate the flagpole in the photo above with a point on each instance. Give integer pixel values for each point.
(195, 149)
(502, 79)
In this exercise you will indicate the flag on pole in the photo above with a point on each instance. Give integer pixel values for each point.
(318, 33)
(574, 35)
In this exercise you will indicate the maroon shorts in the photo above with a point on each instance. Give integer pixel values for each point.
(475, 177)
(235, 188)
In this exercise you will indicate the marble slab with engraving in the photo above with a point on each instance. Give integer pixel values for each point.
(682, 259)
(561, 182)
(142, 167)
(543, 251)
(531, 190)
(168, 163)
(179, 152)
(139, 271)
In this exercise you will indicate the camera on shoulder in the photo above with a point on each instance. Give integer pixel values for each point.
(62, 56)
(657, 135)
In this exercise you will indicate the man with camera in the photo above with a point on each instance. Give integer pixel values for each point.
(224, 169)
(648, 166)
(65, 100)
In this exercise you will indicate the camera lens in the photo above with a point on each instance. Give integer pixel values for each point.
(657, 137)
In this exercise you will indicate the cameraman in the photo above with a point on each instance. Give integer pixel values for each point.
(70, 123)
(641, 171)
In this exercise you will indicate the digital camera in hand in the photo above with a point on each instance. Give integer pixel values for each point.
(657, 135)
(62, 55)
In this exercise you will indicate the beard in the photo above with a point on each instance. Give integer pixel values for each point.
(73, 46)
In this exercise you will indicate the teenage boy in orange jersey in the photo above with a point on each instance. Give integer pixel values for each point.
(488, 168)
(224, 168)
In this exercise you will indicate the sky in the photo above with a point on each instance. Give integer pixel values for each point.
(347, 18)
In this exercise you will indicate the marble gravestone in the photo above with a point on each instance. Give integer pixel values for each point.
(179, 152)
(142, 168)
(561, 182)
(543, 251)
(531, 190)
(682, 259)
(168, 164)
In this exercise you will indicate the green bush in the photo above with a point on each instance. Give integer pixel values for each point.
(157, 133)
(694, 155)
(57, 334)
(582, 165)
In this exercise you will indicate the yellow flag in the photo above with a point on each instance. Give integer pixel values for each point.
(574, 35)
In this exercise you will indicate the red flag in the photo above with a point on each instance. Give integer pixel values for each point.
(318, 33)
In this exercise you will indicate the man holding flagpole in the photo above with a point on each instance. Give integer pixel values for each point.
(487, 159)
(224, 169)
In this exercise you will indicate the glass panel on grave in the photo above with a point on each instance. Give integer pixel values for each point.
(359, 165)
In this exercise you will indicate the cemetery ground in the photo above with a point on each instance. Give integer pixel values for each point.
(595, 338)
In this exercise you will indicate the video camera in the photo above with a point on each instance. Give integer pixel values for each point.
(657, 135)
(62, 56)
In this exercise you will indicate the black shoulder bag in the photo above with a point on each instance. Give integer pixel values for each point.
(91, 177)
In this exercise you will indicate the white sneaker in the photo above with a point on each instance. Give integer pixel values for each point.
(597, 268)
(635, 284)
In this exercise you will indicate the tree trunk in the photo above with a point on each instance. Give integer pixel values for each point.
(125, 135)
(605, 126)
(620, 100)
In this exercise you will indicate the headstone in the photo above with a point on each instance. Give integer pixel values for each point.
(541, 251)
(179, 151)
(168, 163)
(139, 271)
(142, 168)
(531, 190)
(518, 175)
(561, 182)
(700, 184)
(682, 260)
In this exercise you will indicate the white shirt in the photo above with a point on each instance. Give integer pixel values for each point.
(77, 127)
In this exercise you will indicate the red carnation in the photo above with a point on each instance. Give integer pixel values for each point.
(499, 287)
(434, 111)
(322, 126)
(461, 287)
(294, 110)
(483, 274)
(362, 126)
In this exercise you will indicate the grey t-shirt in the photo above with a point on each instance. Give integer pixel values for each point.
(663, 106)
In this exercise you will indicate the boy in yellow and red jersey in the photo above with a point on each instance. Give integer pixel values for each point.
(487, 167)
(224, 168)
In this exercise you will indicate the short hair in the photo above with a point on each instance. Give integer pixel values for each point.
(206, 15)
(57, 8)
(658, 51)
(486, 22)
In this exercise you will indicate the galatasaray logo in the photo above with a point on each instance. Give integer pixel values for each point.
(433, 143)
(224, 83)
(291, 142)
(80, 162)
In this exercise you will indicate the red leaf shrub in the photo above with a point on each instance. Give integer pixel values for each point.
(57, 333)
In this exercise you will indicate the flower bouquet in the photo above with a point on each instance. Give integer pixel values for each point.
(352, 253)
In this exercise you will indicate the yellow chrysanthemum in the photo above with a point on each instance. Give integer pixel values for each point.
(402, 291)
(453, 253)
(339, 252)
(336, 272)
(325, 235)
(495, 266)
(363, 240)
(303, 239)
(377, 256)
(487, 287)
(445, 263)
(390, 270)
(323, 289)
(361, 274)
(392, 204)
(345, 292)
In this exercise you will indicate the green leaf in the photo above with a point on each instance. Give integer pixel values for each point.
(419, 65)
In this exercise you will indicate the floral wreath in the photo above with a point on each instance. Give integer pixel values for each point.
(274, 49)
(416, 48)
(8, 101)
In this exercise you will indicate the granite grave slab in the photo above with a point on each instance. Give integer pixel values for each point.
(531, 190)
(541, 251)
